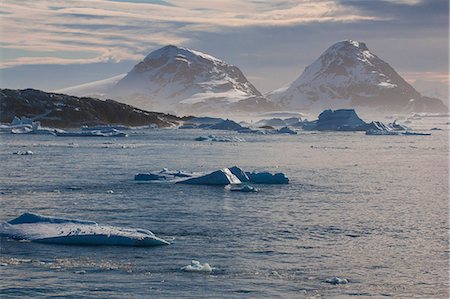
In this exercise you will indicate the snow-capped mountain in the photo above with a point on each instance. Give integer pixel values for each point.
(348, 75)
(185, 81)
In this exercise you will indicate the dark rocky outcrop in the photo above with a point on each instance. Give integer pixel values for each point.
(64, 111)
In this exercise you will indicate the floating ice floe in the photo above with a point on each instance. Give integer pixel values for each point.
(244, 188)
(336, 280)
(225, 176)
(45, 229)
(94, 133)
(36, 129)
(395, 133)
(23, 153)
(196, 266)
(214, 138)
(105, 128)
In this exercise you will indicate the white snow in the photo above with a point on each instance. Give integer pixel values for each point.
(343, 72)
(175, 79)
(45, 229)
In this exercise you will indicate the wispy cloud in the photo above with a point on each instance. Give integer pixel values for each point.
(114, 30)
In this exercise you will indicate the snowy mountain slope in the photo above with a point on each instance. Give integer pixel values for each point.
(348, 75)
(97, 89)
(180, 79)
(175, 79)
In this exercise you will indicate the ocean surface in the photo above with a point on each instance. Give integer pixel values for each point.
(370, 209)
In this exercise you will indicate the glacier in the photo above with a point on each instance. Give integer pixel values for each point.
(54, 230)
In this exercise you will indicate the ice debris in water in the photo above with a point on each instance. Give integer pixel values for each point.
(336, 280)
(196, 266)
(45, 229)
(23, 153)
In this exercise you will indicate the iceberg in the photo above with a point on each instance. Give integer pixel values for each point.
(227, 124)
(196, 266)
(23, 153)
(267, 178)
(214, 138)
(286, 130)
(336, 280)
(219, 177)
(239, 173)
(46, 229)
(338, 120)
(226, 176)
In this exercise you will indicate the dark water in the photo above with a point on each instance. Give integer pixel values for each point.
(371, 209)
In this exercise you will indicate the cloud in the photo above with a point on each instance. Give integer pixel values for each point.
(127, 29)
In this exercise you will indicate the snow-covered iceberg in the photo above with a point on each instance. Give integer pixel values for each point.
(45, 229)
(37, 129)
(219, 177)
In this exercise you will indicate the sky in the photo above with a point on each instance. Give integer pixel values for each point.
(52, 44)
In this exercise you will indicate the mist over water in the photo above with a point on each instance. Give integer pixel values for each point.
(370, 209)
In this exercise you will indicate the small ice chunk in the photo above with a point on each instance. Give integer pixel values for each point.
(196, 266)
(245, 188)
(336, 280)
(148, 177)
(23, 153)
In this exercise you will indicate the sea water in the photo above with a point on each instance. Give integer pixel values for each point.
(369, 209)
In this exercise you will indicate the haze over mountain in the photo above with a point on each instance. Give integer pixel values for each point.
(348, 75)
(182, 80)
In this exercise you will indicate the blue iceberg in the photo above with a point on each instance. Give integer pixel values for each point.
(226, 176)
(267, 178)
(220, 177)
(45, 229)
(239, 173)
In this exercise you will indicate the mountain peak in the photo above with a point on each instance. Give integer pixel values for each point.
(348, 75)
(171, 53)
(349, 45)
